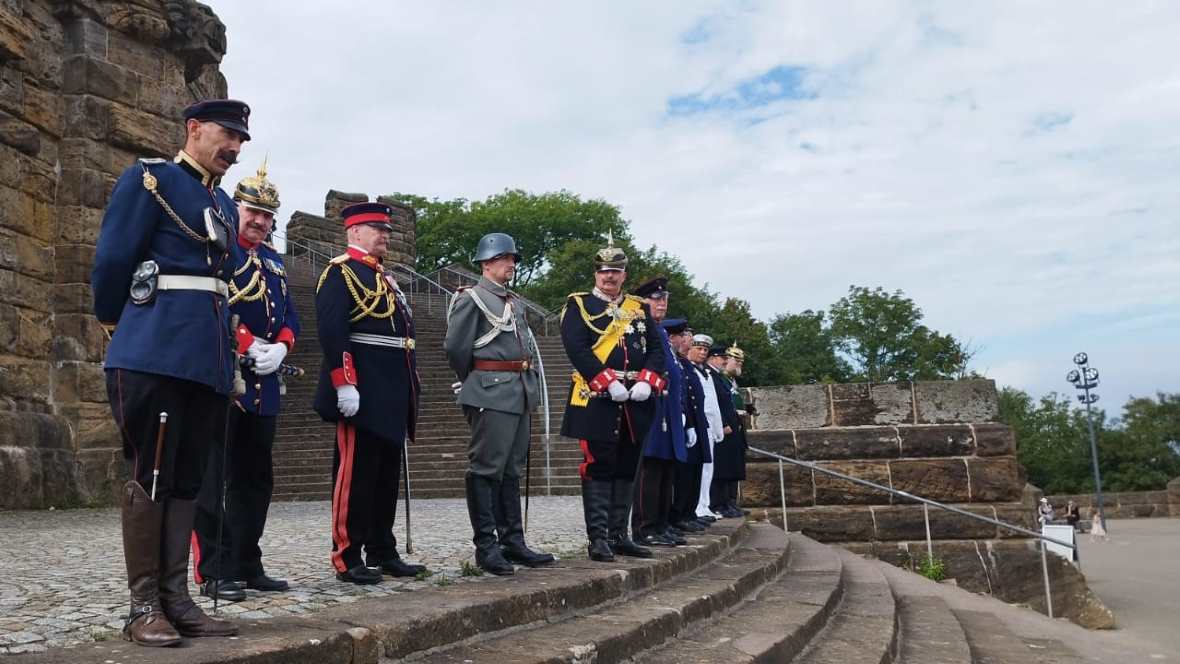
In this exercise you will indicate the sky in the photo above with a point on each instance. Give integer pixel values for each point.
(1009, 166)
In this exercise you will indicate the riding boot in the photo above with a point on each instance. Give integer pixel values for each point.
(510, 526)
(620, 510)
(595, 507)
(146, 624)
(178, 605)
(483, 526)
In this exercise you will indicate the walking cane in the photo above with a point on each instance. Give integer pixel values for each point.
(406, 476)
(159, 452)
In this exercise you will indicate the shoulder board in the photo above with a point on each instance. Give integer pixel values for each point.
(463, 288)
(633, 298)
(339, 260)
(578, 295)
(152, 160)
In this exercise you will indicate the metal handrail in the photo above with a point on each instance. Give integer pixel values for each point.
(544, 314)
(415, 277)
(926, 504)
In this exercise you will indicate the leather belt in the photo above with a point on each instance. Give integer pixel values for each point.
(502, 365)
(382, 340)
(187, 282)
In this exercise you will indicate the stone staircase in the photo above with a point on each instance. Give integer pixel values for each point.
(304, 444)
(745, 592)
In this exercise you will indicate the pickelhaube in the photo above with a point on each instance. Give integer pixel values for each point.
(610, 257)
(258, 192)
(494, 245)
(736, 353)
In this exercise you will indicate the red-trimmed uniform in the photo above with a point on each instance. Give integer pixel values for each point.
(366, 330)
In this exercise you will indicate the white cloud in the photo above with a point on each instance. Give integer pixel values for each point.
(1009, 166)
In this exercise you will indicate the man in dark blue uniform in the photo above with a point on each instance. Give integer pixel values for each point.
(729, 467)
(165, 254)
(266, 332)
(686, 492)
(614, 346)
(666, 442)
(369, 387)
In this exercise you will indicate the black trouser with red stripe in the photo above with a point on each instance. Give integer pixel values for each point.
(249, 485)
(653, 496)
(366, 473)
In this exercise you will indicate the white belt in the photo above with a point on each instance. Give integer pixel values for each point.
(187, 282)
(381, 340)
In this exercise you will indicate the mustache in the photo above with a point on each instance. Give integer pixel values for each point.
(228, 156)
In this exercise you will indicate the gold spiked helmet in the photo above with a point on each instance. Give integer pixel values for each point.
(736, 353)
(258, 192)
(610, 257)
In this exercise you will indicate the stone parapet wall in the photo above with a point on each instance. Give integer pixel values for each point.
(326, 236)
(1125, 504)
(86, 87)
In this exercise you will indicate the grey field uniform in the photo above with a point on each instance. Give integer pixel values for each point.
(488, 344)
(498, 404)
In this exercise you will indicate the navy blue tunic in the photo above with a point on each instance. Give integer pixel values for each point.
(694, 410)
(666, 440)
(270, 318)
(182, 333)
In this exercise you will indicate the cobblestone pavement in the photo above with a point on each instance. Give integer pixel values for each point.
(63, 581)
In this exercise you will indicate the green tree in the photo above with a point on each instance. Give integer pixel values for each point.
(1051, 440)
(1142, 451)
(883, 335)
(541, 224)
(806, 350)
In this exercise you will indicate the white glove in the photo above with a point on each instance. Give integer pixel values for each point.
(255, 349)
(640, 391)
(617, 391)
(690, 437)
(269, 357)
(457, 386)
(348, 400)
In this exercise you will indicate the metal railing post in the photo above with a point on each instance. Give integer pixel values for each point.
(929, 544)
(782, 489)
(1045, 572)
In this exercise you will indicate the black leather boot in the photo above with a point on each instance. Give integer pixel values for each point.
(188, 618)
(142, 519)
(595, 508)
(620, 512)
(510, 526)
(480, 497)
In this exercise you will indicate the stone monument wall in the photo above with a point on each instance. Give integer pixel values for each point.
(86, 87)
(325, 236)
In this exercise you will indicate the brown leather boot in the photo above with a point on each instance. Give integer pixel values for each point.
(188, 618)
(146, 625)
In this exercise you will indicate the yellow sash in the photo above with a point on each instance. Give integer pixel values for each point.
(608, 339)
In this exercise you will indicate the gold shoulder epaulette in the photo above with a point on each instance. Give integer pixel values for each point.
(324, 275)
(634, 298)
(339, 260)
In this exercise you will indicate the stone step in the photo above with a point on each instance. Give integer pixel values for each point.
(929, 632)
(773, 626)
(992, 642)
(619, 632)
(862, 628)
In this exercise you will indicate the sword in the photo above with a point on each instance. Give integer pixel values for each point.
(159, 452)
(406, 476)
(283, 370)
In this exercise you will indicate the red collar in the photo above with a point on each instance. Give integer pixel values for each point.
(364, 257)
(244, 243)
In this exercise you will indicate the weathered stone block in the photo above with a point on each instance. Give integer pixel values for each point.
(24, 291)
(21, 469)
(85, 187)
(936, 441)
(791, 407)
(995, 479)
(956, 401)
(944, 480)
(167, 96)
(1174, 497)
(859, 404)
(761, 487)
(87, 75)
(25, 255)
(34, 334)
(84, 35)
(907, 522)
(778, 441)
(101, 473)
(78, 224)
(78, 337)
(59, 479)
(87, 116)
(836, 491)
(74, 262)
(19, 134)
(1017, 515)
(14, 35)
(850, 443)
(72, 299)
(994, 440)
(10, 317)
(38, 180)
(832, 524)
(144, 133)
(79, 381)
(24, 379)
(43, 109)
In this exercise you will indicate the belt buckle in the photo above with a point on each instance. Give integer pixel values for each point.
(410, 343)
